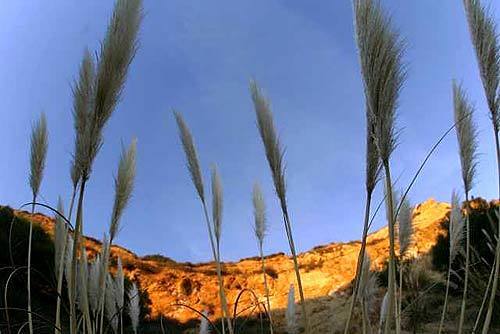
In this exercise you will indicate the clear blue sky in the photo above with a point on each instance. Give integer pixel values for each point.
(198, 57)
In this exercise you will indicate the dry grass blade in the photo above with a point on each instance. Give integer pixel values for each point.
(483, 30)
(466, 135)
(38, 147)
(124, 185)
(259, 211)
(217, 203)
(193, 163)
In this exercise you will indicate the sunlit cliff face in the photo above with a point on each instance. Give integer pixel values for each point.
(326, 270)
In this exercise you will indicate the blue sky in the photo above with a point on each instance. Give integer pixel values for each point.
(198, 57)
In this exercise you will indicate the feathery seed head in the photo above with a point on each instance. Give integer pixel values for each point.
(120, 284)
(456, 226)
(60, 235)
(93, 283)
(466, 135)
(124, 185)
(193, 164)
(291, 317)
(83, 97)
(381, 51)
(133, 306)
(485, 39)
(272, 144)
(405, 226)
(384, 308)
(110, 301)
(116, 54)
(259, 211)
(39, 144)
(365, 271)
(217, 203)
(373, 168)
(204, 328)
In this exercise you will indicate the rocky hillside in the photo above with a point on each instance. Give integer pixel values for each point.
(326, 270)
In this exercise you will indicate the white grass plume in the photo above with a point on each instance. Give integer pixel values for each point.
(259, 211)
(134, 306)
(204, 325)
(405, 226)
(116, 54)
(466, 135)
(364, 275)
(110, 300)
(217, 203)
(83, 98)
(60, 237)
(485, 38)
(120, 284)
(124, 185)
(456, 226)
(193, 163)
(39, 144)
(384, 308)
(273, 148)
(93, 283)
(68, 259)
(380, 51)
(290, 315)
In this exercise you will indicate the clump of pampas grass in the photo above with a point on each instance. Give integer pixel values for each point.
(467, 148)
(38, 150)
(380, 52)
(485, 40)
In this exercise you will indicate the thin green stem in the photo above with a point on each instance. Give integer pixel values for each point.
(443, 313)
(288, 228)
(73, 274)
(392, 270)
(485, 298)
(467, 259)
(266, 287)
(361, 257)
(222, 294)
(491, 302)
(30, 237)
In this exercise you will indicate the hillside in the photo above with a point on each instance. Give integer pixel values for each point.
(326, 270)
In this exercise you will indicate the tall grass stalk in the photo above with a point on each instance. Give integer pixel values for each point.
(114, 58)
(467, 144)
(455, 234)
(372, 177)
(193, 166)
(275, 154)
(259, 210)
(405, 236)
(485, 39)
(39, 144)
(380, 52)
(61, 239)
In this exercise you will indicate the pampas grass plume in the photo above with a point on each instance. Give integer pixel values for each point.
(133, 306)
(259, 210)
(193, 163)
(217, 203)
(290, 315)
(124, 185)
(39, 144)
